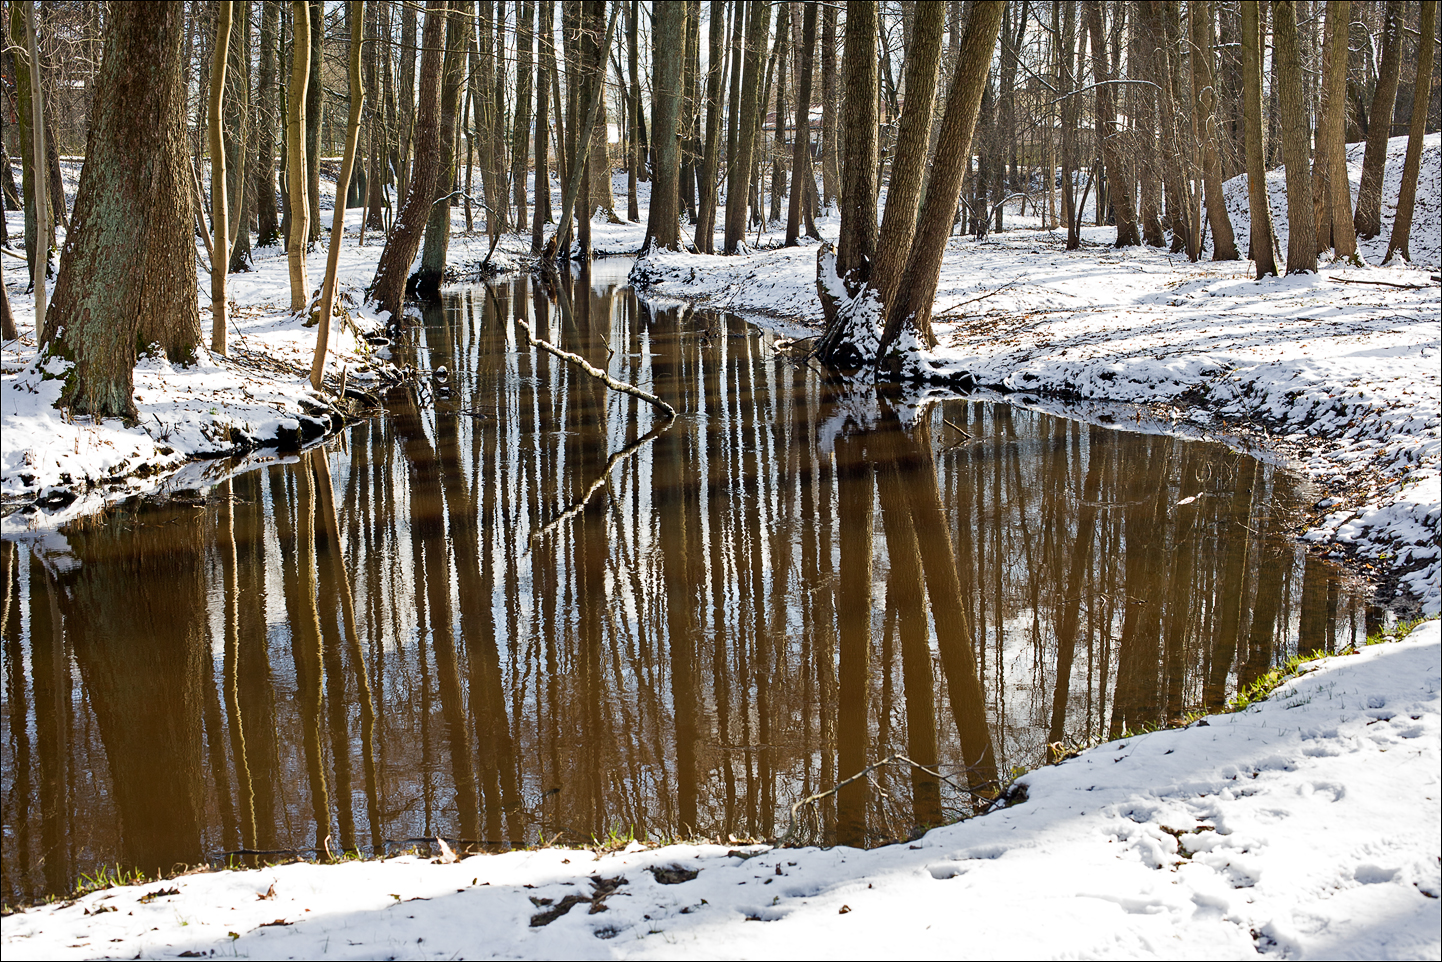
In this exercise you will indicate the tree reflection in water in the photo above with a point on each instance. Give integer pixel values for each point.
(368, 644)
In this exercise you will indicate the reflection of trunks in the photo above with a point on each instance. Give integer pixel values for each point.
(531, 607)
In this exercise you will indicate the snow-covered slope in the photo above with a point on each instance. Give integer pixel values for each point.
(1426, 235)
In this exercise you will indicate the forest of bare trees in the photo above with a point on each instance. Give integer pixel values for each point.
(927, 119)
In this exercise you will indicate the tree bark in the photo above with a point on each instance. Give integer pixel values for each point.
(1123, 201)
(1368, 219)
(1416, 129)
(1263, 240)
(521, 129)
(267, 217)
(739, 165)
(668, 34)
(802, 181)
(314, 112)
(134, 199)
(545, 63)
(219, 208)
(1333, 133)
(1301, 222)
(710, 161)
(295, 155)
(1224, 242)
(850, 338)
(356, 11)
(438, 224)
(912, 306)
(856, 245)
(830, 162)
(238, 148)
(389, 286)
(908, 167)
(44, 226)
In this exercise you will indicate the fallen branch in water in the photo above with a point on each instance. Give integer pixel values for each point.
(602, 479)
(594, 371)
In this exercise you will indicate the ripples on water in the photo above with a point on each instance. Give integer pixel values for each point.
(512, 610)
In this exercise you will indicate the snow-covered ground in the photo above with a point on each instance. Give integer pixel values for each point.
(1306, 826)
(217, 406)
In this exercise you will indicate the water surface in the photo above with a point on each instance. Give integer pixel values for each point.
(522, 608)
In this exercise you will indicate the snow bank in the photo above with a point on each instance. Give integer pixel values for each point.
(1305, 827)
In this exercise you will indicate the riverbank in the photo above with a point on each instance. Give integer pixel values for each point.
(1305, 826)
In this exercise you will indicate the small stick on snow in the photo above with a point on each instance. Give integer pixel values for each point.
(1405, 287)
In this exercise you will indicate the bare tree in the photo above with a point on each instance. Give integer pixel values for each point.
(1263, 240)
(1416, 128)
(1368, 218)
(1224, 243)
(1301, 222)
(404, 241)
(355, 15)
(295, 155)
(219, 208)
(669, 33)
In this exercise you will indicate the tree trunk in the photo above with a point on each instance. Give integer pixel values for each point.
(1416, 128)
(561, 242)
(133, 204)
(1224, 243)
(1070, 122)
(668, 34)
(1301, 223)
(908, 167)
(45, 228)
(802, 182)
(739, 165)
(355, 10)
(856, 245)
(1143, 107)
(1263, 240)
(238, 149)
(406, 110)
(219, 208)
(438, 225)
(851, 339)
(635, 156)
(268, 220)
(1119, 181)
(295, 154)
(1368, 219)
(778, 150)
(389, 286)
(1339, 188)
(830, 163)
(545, 64)
(25, 129)
(912, 306)
(522, 128)
(314, 113)
(710, 161)
(379, 175)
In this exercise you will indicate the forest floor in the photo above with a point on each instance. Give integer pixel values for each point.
(1280, 829)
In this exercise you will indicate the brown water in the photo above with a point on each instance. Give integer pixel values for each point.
(521, 608)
